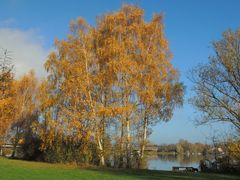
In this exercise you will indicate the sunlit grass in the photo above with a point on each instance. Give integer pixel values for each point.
(18, 169)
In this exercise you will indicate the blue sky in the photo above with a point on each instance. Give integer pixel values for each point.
(29, 28)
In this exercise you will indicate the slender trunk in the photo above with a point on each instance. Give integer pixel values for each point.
(143, 143)
(99, 139)
(15, 143)
(128, 152)
(121, 144)
(14, 150)
(101, 155)
(128, 143)
(123, 125)
(145, 124)
(1, 143)
(100, 142)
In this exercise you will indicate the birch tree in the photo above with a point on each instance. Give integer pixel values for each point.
(108, 84)
(25, 108)
(6, 93)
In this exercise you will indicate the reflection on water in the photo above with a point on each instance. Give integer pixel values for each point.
(166, 162)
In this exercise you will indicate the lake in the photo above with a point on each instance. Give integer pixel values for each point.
(166, 162)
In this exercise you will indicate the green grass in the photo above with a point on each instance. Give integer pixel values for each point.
(18, 170)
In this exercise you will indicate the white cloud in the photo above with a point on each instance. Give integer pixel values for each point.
(27, 51)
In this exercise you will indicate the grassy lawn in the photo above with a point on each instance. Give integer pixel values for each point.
(17, 170)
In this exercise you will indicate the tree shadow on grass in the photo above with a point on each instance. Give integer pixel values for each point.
(163, 175)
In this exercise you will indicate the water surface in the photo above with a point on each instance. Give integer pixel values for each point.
(166, 162)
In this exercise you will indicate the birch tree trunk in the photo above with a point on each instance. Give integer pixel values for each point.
(128, 143)
(98, 134)
(145, 124)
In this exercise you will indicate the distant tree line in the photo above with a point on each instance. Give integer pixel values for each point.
(185, 147)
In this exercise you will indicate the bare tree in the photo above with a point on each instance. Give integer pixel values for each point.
(217, 83)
